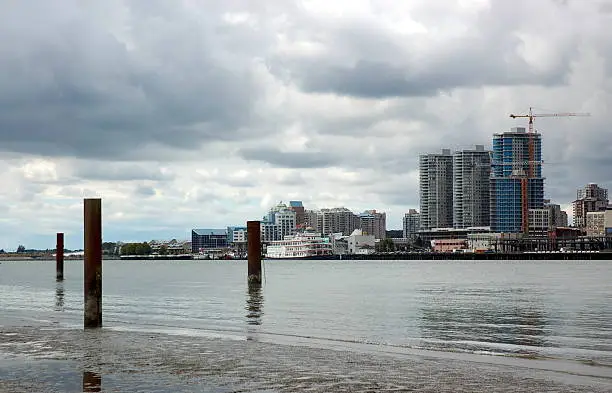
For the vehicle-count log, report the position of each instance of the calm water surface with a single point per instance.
(533, 309)
(545, 308)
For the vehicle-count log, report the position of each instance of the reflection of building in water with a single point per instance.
(254, 304)
(487, 316)
(59, 296)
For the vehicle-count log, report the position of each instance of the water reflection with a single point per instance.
(92, 360)
(254, 304)
(482, 317)
(92, 382)
(59, 296)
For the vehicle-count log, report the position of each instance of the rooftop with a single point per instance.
(204, 232)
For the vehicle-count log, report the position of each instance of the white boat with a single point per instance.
(303, 245)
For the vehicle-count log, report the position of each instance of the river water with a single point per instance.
(314, 325)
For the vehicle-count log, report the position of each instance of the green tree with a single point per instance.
(136, 249)
(386, 245)
(163, 250)
(21, 248)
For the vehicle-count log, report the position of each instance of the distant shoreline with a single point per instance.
(607, 255)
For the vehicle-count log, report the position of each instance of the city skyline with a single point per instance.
(182, 116)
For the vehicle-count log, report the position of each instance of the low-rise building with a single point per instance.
(171, 247)
(479, 242)
(203, 239)
(595, 223)
(539, 222)
(360, 243)
(448, 245)
(236, 235)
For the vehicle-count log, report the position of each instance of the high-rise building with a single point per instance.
(509, 164)
(299, 210)
(412, 224)
(471, 172)
(278, 223)
(590, 198)
(311, 220)
(557, 217)
(436, 190)
(338, 220)
(374, 223)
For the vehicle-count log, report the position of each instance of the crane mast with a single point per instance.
(531, 160)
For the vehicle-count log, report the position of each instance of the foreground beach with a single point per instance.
(66, 360)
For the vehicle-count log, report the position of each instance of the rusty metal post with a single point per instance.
(93, 263)
(254, 251)
(59, 257)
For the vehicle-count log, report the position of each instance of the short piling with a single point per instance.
(59, 257)
(93, 263)
(92, 382)
(254, 251)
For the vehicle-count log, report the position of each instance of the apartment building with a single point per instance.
(590, 198)
(436, 190)
(411, 224)
(471, 172)
(374, 223)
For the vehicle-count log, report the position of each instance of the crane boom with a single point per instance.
(531, 159)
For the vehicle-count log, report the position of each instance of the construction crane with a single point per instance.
(531, 160)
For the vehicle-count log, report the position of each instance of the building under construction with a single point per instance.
(515, 169)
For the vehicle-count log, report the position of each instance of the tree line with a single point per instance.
(136, 249)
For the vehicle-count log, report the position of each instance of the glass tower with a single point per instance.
(510, 163)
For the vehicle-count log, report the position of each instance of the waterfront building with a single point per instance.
(298, 208)
(510, 164)
(280, 221)
(436, 190)
(270, 231)
(374, 223)
(595, 223)
(360, 242)
(311, 220)
(202, 239)
(338, 220)
(557, 217)
(471, 172)
(539, 221)
(171, 247)
(599, 223)
(590, 198)
(236, 235)
(412, 224)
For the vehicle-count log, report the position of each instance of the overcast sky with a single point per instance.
(184, 114)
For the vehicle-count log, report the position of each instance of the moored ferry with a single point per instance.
(306, 245)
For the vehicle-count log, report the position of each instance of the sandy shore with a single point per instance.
(52, 360)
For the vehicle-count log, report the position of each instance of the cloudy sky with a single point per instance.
(203, 113)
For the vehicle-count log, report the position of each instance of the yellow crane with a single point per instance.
(525, 180)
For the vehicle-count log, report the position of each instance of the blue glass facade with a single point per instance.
(510, 163)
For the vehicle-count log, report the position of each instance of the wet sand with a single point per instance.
(52, 360)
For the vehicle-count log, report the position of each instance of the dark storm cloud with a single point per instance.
(76, 83)
(282, 159)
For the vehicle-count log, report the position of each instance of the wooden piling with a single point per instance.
(254, 251)
(59, 257)
(92, 382)
(93, 263)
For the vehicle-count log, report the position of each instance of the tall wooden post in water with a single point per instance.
(93, 263)
(59, 257)
(254, 251)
